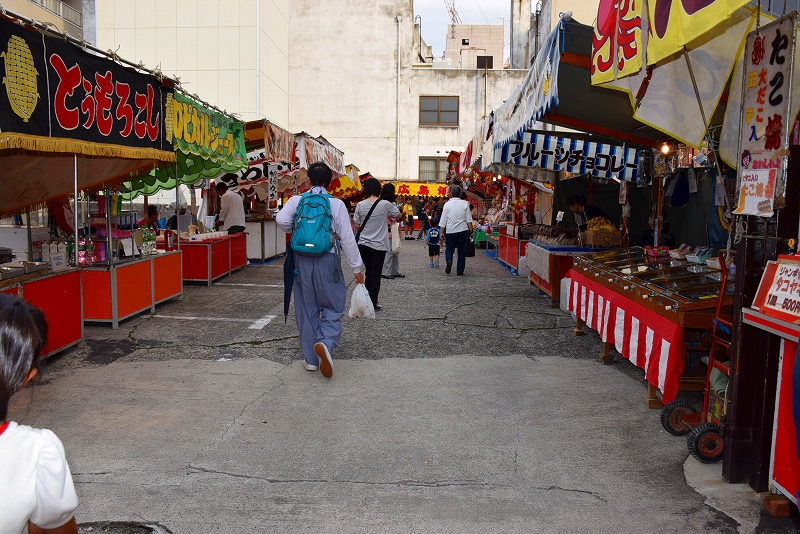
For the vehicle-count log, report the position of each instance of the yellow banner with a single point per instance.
(676, 23)
(418, 189)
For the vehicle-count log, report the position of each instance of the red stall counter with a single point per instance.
(58, 295)
(112, 294)
(207, 260)
(509, 245)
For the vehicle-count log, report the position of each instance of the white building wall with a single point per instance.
(233, 54)
(343, 85)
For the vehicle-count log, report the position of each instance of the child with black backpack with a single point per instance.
(432, 239)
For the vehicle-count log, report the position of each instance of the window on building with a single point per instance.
(485, 62)
(438, 110)
(433, 169)
(464, 42)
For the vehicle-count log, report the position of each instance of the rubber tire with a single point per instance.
(705, 443)
(670, 414)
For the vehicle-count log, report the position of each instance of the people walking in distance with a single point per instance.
(422, 216)
(432, 239)
(391, 262)
(408, 213)
(456, 225)
(372, 215)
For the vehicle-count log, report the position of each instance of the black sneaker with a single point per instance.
(449, 267)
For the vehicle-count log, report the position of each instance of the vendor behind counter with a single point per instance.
(584, 212)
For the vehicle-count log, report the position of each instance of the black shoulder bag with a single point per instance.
(358, 234)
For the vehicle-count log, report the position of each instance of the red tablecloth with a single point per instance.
(647, 339)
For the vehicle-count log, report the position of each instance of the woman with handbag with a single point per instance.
(372, 215)
(391, 263)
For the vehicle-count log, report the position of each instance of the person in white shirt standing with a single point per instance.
(231, 212)
(456, 226)
(320, 289)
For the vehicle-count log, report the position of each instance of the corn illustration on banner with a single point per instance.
(56, 97)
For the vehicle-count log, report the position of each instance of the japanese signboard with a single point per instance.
(53, 89)
(764, 133)
(197, 130)
(778, 293)
(571, 155)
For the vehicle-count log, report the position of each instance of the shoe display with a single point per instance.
(310, 367)
(325, 360)
(448, 267)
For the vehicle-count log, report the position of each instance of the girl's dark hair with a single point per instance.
(23, 332)
(576, 199)
(387, 193)
(372, 187)
(152, 210)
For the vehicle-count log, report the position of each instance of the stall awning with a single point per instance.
(60, 103)
(207, 143)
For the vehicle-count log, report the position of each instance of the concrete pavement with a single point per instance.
(466, 406)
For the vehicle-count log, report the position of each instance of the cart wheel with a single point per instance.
(705, 443)
(672, 417)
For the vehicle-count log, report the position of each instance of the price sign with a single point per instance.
(778, 293)
(58, 261)
(560, 216)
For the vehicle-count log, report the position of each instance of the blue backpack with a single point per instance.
(313, 233)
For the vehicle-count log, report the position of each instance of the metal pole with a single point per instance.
(75, 207)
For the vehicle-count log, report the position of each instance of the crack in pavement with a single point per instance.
(401, 483)
(568, 490)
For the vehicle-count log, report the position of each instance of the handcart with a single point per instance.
(704, 429)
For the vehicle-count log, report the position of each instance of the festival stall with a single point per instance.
(206, 142)
(70, 121)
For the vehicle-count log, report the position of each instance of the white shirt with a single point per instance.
(455, 216)
(341, 225)
(231, 211)
(35, 481)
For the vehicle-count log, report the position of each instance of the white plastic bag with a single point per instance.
(396, 244)
(361, 304)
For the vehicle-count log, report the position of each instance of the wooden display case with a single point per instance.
(672, 296)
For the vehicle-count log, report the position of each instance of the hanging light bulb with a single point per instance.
(665, 148)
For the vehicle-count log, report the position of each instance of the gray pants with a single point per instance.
(391, 264)
(319, 303)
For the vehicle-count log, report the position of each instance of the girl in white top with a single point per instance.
(36, 490)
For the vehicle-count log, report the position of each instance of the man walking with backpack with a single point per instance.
(320, 289)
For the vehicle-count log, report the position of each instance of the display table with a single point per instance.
(648, 340)
(509, 246)
(205, 261)
(549, 265)
(264, 240)
(115, 293)
(58, 295)
(784, 472)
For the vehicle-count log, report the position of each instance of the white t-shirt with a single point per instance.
(35, 480)
(455, 216)
(231, 211)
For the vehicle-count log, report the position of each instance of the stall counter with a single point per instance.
(58, 295)
(207, 260)
(509, 246)
(114, 293)
(264, 240)
(549, 264)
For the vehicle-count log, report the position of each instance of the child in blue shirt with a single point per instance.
(432, 238)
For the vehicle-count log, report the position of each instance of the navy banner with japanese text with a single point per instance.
(58, 97)
(572, 155)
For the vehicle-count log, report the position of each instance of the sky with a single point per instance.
(436, 18)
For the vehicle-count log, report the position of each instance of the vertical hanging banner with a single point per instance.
(765, 124)
(278, 143)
